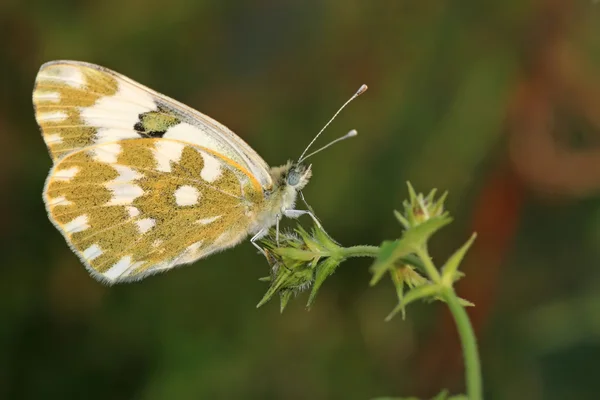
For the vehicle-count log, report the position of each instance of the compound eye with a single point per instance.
(293, 178)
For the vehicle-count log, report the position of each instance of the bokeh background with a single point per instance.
(496, 102)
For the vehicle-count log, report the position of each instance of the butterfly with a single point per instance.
(141, 183)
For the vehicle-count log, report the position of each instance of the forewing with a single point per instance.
(133, 208)
(79, 105)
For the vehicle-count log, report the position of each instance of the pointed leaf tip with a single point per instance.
(450, 269)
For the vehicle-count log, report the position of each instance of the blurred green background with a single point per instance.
(497, 102)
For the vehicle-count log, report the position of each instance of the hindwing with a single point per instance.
(140, 206)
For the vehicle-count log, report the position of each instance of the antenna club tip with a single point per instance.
(352, 133)
(362, 89)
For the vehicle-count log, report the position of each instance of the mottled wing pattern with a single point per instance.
(136, 207)
(79, 105)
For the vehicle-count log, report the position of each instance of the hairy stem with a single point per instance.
(360, 251)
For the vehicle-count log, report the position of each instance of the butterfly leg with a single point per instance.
(259, 235)
(296, 213)
(278, 218)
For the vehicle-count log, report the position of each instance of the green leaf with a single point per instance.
(324, 270)
(287, 277)
(465, 303)
(412, 238)
(295, 254)
(413, 260)
(399, 284)
(421, 292)
(412, 195)
(420, 234)
(450, 269)
(325, 240)
(438, 206)
(430, 196)
(312, 245)
(385, 259)
(284, 298)
(402, 220)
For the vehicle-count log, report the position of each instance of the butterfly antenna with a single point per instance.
(350, 134)
(360, 91)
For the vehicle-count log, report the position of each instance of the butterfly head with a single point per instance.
(298, 175)
(292, 175)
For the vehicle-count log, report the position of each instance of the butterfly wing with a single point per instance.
(135, 207)
(78, 105)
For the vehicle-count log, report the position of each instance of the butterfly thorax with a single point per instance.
(288, 179)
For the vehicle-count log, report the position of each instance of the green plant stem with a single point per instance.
(431, 270)
(359, 251)
(469, 344)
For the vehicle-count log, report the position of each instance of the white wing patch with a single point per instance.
(192, 134)
(53, 139)
(54, 116)
(69, 74)
(126, 174)
(166, 152)
(133, 211)
(206, 221)
(212, 168)
(144, 225)
(66, 174)
(186, 196)
(53, 97)
(107, 153)
(121, 268)
(123, 193)
(77, 225)
(92, 252)
(116, 115)
(61, 200)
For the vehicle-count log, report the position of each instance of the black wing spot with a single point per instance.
(154, 124)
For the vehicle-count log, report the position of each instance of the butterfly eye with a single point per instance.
(293, 177)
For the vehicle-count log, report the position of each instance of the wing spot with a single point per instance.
(211, 171)
(119, 268)
(53, 97)
(65, 174)
(77, 225)
(133, 211)
(59, 201)
(68, 74)
(53, 116)
(144, 225)
(107, 153)
(186, 196)
(92, 252)
(206, 221)
(53, 139)
(123, 193)
(126, 174)
(165, 152)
